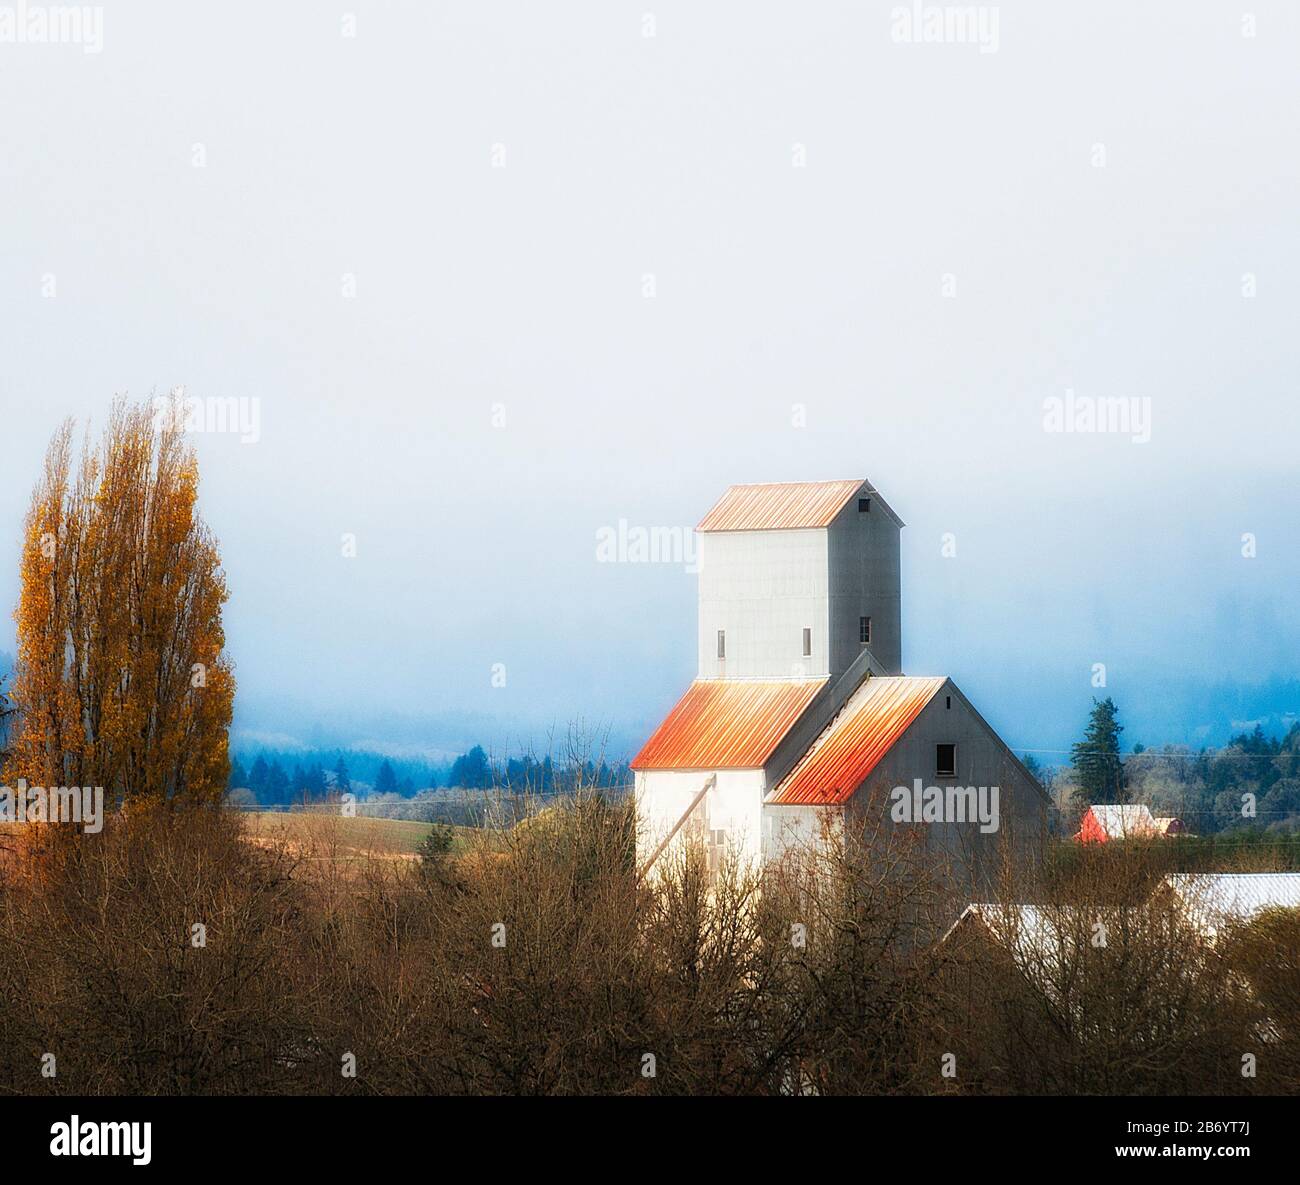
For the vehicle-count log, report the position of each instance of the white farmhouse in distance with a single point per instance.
(800, 709)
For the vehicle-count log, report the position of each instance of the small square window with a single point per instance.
(807, 643)
(722, 643)
(945, 761)
(864, 630)
(864, 505)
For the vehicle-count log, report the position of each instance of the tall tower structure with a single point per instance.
(797, 579)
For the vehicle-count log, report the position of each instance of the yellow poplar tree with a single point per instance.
(121, 680)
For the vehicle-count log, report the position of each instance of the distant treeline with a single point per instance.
(1251, 783)
(281, 779)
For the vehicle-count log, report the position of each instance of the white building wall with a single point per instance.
(756, 833)
(764, 588)
(798, 829)
(734, 805)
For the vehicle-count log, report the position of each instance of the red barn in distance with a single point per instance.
(1103, 822)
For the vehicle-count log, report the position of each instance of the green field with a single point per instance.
(394, 838)
(391, 838)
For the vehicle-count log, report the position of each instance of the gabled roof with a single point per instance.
(779, 506)
(727, 723)
(1040, 932)
(872, 720)
(1218, 897)
(1119, 820)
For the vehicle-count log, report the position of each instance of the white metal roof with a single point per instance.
(1215, 898)
(1034, 933)
(1119, 820)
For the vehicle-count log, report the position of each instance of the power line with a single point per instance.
(1226, 751)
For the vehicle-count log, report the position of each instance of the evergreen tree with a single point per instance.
(385, 779)
(1096, 758)
(258, 775)
(342, 783)
(238, 777)
(313, 781)
(278, 790)
(470, 771)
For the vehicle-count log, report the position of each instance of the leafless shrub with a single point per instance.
(537, 962)
(151, 959)
(1102, 986)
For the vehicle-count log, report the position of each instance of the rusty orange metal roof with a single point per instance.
(866, 728)
(777, 506)
(727, 723)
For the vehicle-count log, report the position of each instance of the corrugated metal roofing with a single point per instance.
(1038, 934)
(1235, 896)
(779, 506)
(1121, 820)
(727, 723)
(867, 727)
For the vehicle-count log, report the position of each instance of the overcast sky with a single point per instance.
(499, 275)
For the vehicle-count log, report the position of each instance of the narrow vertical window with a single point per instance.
(807, 643)
(945, 761)
(864, 630)
(722, 643)
(717, 849)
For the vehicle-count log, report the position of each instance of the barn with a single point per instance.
(800, 713)
(1103, 822)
